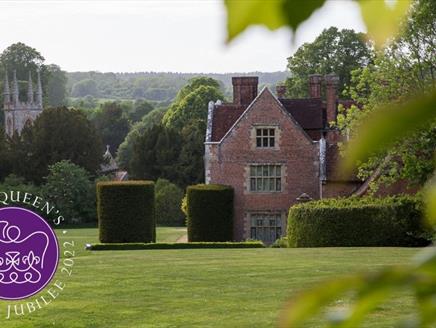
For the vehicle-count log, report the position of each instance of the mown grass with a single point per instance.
(203, 287)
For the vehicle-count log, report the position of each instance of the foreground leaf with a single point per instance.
(297, 11)
(241, 14)
(430, 200)
(273, 14)
(382, 18)
(387, 125)
(372, 289)
(311, 302)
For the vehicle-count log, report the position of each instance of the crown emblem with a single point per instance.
(21, 257)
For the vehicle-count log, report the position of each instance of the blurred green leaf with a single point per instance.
(376, 289)
(372, 289)
(297, 11)
(425, 261)
(382, 18)
(241, 14)
(387, 125)
(430, 200)
(311, 302)
(273, 14)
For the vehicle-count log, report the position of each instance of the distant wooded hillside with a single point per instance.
(156, 87)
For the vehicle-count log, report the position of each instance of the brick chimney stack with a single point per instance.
(331, 81)
(244, 89)
(315, 85)
(281, 91)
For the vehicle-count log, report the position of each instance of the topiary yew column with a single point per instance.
(125, 212)
(210, 213)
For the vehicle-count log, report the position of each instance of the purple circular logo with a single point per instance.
(29, 253)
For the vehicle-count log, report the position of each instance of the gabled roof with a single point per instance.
(307, 113)
(224, 116)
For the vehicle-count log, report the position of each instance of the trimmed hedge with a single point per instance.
(210, 213)
(392, 221)
(136, 246)
(125, 211)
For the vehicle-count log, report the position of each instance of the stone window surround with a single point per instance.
(253, 136)
(247, 175)
(247, 220)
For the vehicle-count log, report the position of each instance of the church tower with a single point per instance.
(17, 113)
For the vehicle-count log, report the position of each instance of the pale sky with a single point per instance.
(165, 35)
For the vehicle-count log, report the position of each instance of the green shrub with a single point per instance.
(18, 184)
(69, 187)
(281, 243)
(210, 213)
(392, 221)
(168, 201)
(200, 245)
(126, 212)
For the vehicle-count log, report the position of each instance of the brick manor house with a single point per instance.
(275, 152)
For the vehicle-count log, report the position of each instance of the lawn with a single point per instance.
(202, 288)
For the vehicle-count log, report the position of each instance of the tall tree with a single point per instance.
(174, 149)
(139, 110)
(333, 51)
(112, 124)
(125, 150)
(193, 107)
(191, 162)
(83, 88)
(57, 86)
(406, 67)
(155, 154)
(57, 134)
(23, 59)
(195, 83)
(4, 161)
(69, 187)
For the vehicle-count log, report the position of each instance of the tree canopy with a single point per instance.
(57, 134)
(24, 59)
(333, 51)
(174, 148)
(125, 150)
(404, 68)
(112, 124)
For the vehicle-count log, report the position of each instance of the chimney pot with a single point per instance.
(244, 89)
(281, 91)
(315, 85)
(332, 81)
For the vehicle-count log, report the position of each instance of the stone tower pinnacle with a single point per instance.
(15, 91)
(39, 91)
(30, 89)
(6, 91)
(17, 114)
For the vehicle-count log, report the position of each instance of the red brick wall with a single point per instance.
(298, 155)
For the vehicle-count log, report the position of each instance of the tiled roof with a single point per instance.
(307, 112)
(333, 158)
(224, 116)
